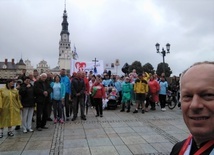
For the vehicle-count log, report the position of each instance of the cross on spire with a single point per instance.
(95, 61)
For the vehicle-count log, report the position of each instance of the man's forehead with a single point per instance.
(202, 71)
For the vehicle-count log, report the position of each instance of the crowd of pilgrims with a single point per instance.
(59, 97)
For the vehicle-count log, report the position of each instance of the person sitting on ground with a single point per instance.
(197, 104)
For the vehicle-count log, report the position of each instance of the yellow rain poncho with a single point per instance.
(10, 106)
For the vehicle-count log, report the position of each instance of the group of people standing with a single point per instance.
(64, 94)
(196, 88)
(39, 94)
(145, 90)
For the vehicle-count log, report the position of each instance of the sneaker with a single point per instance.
(10, 134)
(55, 121)
(143, 111)
(146, 110)
(128, 110)
(30, 130)
(122, 110)
(24, 131)
(163, 109)
(136, 111)
(101, 115)
(61, 121)
(96, 115)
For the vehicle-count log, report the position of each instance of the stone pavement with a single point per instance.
(117, 133)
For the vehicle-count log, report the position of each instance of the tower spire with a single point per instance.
(64, 22)
(65, 53)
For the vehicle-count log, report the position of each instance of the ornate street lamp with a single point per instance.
(163, 53)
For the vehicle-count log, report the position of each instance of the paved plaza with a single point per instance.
(117, 133)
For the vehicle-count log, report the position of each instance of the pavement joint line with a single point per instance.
(27, 143)
(167, 136)
(119, 121)
(57, 142)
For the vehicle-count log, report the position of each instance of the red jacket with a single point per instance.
(87, 87)
(154, 87)
(99, 90)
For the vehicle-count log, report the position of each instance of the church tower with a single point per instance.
(65, 52)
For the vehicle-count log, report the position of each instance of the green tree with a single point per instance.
(137, 66)
(148, 68)
(159, 70)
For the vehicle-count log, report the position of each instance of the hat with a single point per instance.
(19, 81)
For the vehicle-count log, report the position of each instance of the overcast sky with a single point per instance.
(109, 29)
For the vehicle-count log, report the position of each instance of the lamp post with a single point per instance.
(163, 53)
(117, 63)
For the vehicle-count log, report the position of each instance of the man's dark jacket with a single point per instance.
(77, 86)
(39, 88)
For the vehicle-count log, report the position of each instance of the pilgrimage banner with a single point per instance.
(87, 66)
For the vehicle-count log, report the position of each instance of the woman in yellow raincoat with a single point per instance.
(10, 107)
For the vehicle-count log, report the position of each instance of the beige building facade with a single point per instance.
(10, 69)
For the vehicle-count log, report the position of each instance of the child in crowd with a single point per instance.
(113, 94)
